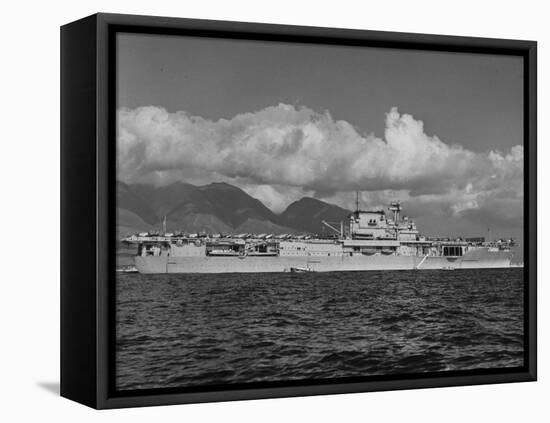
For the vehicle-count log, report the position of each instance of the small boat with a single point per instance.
(301, 270)
(127, 269)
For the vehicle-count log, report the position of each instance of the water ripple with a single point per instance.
(196, 330)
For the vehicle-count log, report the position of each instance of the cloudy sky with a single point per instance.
(440, 131)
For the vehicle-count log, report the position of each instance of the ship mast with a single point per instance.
(395, 207)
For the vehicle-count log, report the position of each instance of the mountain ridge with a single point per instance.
(214, 208)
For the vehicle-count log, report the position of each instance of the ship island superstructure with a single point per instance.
(371, 240)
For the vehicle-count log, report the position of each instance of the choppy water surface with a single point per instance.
(195, 330)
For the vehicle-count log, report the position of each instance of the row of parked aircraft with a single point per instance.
(221, 235)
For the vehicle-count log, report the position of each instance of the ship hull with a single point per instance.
(478, 259)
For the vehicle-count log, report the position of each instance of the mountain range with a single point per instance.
(214, 208)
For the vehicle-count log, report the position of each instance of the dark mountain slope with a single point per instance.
(129, 200)
(308, 213)
(164, 199)
(234, 206)
(217, 207)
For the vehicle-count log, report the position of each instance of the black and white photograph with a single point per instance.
(301, 212)
(251, 212)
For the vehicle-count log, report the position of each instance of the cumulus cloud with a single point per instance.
(288, 146)
(283, 152)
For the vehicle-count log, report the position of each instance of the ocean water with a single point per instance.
(197, 330)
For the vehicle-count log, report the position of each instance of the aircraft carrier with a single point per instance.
(370, 240)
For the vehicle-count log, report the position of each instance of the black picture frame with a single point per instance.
(88, 103)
